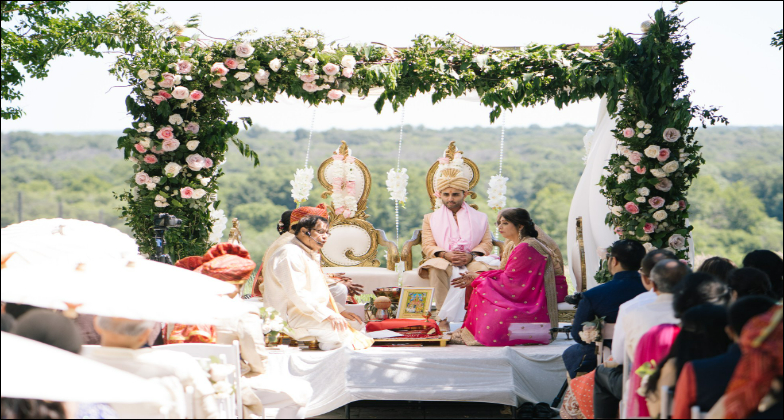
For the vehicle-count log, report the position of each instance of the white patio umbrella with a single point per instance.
(133, 289)
(34, 370)
(39, 241)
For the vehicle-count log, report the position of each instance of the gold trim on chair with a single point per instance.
(377, 237)
(431, 174)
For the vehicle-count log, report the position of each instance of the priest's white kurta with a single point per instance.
(298, 290)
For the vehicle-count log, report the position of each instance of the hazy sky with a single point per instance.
(733, 64)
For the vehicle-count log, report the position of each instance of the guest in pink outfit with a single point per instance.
(516, 305)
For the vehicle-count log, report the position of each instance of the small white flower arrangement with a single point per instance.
(219, 221)
(496, 193)
(302, 184)
(397, 183)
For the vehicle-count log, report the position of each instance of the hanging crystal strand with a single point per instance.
(501, 154)
(397, 203)
(310, 136)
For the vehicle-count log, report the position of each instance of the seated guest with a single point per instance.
(298, 290)
(517, 304)
(693, 290)
(702, 382)
(604, 301)
(748, 281)
(702, 336)
(121, 340)
(7, 322)
(755, 390)
(771, 264)
(50, 328)
(719, 267)
(340, 286)
(452, 236)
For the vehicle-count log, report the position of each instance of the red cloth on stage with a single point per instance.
(396, 324)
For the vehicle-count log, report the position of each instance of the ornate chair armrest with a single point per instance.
(405, 254)
(393, 256)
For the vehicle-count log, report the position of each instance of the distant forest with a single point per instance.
(736, 200)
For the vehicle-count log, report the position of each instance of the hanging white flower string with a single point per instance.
(397, 181)
(303, 177)
(496, 193)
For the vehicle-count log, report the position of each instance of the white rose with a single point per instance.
(643, 191)
(275, 65)
(670, 167)
(204, 181)
(640, 124)
(617, 210)
(348, 61)
(640, 199)
(262, 76)
(623, 150)
(160, 198)
(150, 84)
(652, 151)
(249, 86)
(175, 119)
(148, 92)
(143, 74)
(659, 215)
(244, 49)
(658, 173)
(311, 61)
(646, 132)
(155, 179)
(241, 64)
(310, 43)
(641, 135)
(180, 92)
(145, 142)
(177, 79)
(161, 204)
(648, 247)
(242, 75)
(192, 145)
(677, 241)
(647, 126)
(172, 169)
(150, 186)
(199, 193)
(673, 207)
(149, 128)
(624, 177)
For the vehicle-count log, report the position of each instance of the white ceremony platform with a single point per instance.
(500, 375)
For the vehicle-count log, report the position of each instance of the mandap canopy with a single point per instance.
(182, 84)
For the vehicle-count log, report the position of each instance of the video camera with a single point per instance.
(160, 223)
(574, 299)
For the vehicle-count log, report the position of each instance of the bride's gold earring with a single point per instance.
(520, 234)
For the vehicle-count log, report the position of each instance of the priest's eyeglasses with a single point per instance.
(322, 232)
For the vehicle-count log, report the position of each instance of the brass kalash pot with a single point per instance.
(386, 302)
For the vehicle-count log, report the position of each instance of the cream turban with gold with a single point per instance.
(452, 178)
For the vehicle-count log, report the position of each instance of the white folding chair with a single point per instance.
(626, 392)
(696, 413)
(228, 354)
(603, 353)
(666, 396)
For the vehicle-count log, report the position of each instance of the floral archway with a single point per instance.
(182, 84)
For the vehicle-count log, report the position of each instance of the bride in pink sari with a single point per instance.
(516, 305)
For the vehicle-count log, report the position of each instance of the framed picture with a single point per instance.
(415, 302)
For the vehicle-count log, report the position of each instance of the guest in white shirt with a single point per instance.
(666, 274)
(650, 260)
(121, 340)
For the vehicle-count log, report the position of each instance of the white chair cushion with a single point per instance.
(563, 306)
(343, 238)
(411, 279)
(370, 277)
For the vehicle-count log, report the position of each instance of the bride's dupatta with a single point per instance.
(513, 306)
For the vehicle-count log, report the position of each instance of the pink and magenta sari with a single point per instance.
(510, 306)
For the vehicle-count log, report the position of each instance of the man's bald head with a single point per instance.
(666, 274)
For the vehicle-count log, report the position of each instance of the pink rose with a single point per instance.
(186, 192)
(155, 150)
(310, 87)
(635, 157)
(664, 184)
(184, 66)
(158, 99)
(244, 49)
(170, 145)
(309, 77)
(671, 135)
(139, 148)
(150, 159)
(337, 157)
(656, 202)
(682, 204)
(331, 69)
(180, 92)
(195, 162)
(219, 83)
(338, 180)
(350, 159)
(142, 178)
(192, 127)
(618, 231)
(168, 80)
(347, 213)
(334, 94)
(631, 208)
(231, 63)
(348, 72)
(339, 210)
(443, 161)
(649, 228)
(351, 187)
(628, 132)
(165, 133)
(207, 163)
(196, 95)
(639, 169)
(164, 94)
(219, 69)
(664, 154)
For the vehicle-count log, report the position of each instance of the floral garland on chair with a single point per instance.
(344, 199)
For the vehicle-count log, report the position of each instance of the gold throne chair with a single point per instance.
(353, 244)
(470, 171)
